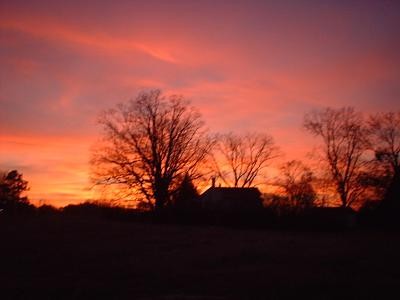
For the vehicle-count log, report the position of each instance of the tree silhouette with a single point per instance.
(344, 141)
(149, 144)
(186, 195)
(12, 185)
(385, 131)
(296, 183)
(239, 159)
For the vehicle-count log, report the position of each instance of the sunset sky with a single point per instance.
(246, 65)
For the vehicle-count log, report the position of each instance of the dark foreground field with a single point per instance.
(70, 258)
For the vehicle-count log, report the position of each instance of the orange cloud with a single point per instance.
(55, 167)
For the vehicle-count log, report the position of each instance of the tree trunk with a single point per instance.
(343, 199)
(160, 194)
(342, 194)
(391, 200)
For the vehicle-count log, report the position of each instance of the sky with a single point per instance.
(245, 65)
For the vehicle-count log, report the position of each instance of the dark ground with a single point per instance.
(70, 258)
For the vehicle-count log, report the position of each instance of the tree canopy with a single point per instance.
(12, 186)
(150, 143)
(344, 142)
(240, 159)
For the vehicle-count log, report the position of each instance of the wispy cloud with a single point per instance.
(97, 40)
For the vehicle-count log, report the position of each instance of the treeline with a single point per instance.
(187, 210)
(153, 143)
(156, 152)
(313, 219)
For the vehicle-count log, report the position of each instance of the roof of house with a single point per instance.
(227, 198)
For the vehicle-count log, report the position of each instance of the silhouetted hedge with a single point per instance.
(312, 219)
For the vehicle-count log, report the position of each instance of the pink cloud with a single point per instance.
(257, 66)
(61, 33)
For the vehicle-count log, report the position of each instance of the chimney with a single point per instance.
(213, 182)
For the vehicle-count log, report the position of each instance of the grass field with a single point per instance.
(73, 258)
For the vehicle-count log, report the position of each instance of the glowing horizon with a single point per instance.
(246, 66)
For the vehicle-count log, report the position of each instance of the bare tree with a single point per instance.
(149, 144)
(239, 159)
(296, 182)
(385, 130)
(344, 142)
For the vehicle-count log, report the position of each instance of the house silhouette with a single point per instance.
(231, 200)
